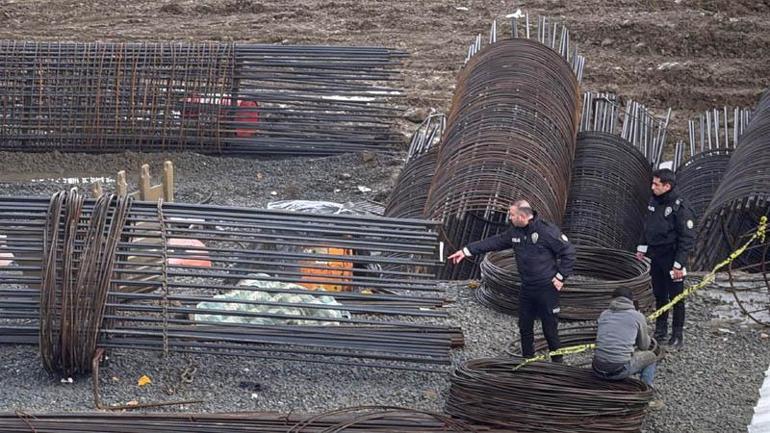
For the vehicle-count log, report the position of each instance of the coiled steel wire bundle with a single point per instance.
(411, 190)
(214, 98)
(752, 279)
(214, 279)
(574, 336)
(545, 397)
(743, 195)
(611, 173)
(598, 272)
(510, 135)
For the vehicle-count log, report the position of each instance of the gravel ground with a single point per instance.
(710, 386)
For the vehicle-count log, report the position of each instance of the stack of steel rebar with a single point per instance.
(411, 190)
(611, 172)
(214, 98)
(743, 195)
(598, 272)
(545, 397)
(375, 419)
(510, 135)
(202, 278)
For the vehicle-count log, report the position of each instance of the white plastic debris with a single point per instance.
(517, 14)
(364, 188)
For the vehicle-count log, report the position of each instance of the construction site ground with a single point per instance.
(687, 55)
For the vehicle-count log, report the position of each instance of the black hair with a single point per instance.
(666, 176)
(624, 292)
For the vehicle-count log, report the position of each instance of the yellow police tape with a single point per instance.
(705, 281)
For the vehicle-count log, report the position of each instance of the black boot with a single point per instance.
(661, 328)
(677, 339)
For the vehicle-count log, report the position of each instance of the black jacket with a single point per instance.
(670, 224)
(542, 252)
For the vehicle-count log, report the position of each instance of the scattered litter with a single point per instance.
(67, 380)
(517, 14)
(273, 192)
(144, 380)
(364, 188)
(461, 8)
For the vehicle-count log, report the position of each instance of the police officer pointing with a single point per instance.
(544, 258)
(667, 239)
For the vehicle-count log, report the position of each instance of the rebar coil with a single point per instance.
(697, 179)
(608, 192)
(411, 191)
(757, 272)
(574, 336)
(598, 272)
(545, 397)
(743, 195)
(510, 135)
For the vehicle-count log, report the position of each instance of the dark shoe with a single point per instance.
(677, 341)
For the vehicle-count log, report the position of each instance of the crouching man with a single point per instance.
(622, 341)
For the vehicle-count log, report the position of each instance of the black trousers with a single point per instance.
(664, 289)
(538, 302)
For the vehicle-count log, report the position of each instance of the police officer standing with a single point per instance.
(667, 239)
(544, 258)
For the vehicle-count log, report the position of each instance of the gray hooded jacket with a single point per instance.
(621, 329)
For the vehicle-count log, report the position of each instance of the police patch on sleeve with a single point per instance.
(534, 237)
(690, 224)
(668, 211)
(564, 237)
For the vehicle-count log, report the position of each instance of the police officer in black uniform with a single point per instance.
(667, 239)
(544, 258)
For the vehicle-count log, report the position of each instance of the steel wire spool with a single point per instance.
(212, 98)
(743, 195)
(510, 135)
(608, 193)
(260, 283)
(598, 272)
(545, 397)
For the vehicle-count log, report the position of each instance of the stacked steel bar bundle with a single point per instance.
(213, 98)
(598, 272)
(411, 190)
(213, 279)
(699, 169)
(357, 419)
(545, 397)
(510, 135)
(611, 174)
(743, 195)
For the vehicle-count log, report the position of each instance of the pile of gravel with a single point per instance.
(711, 386)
